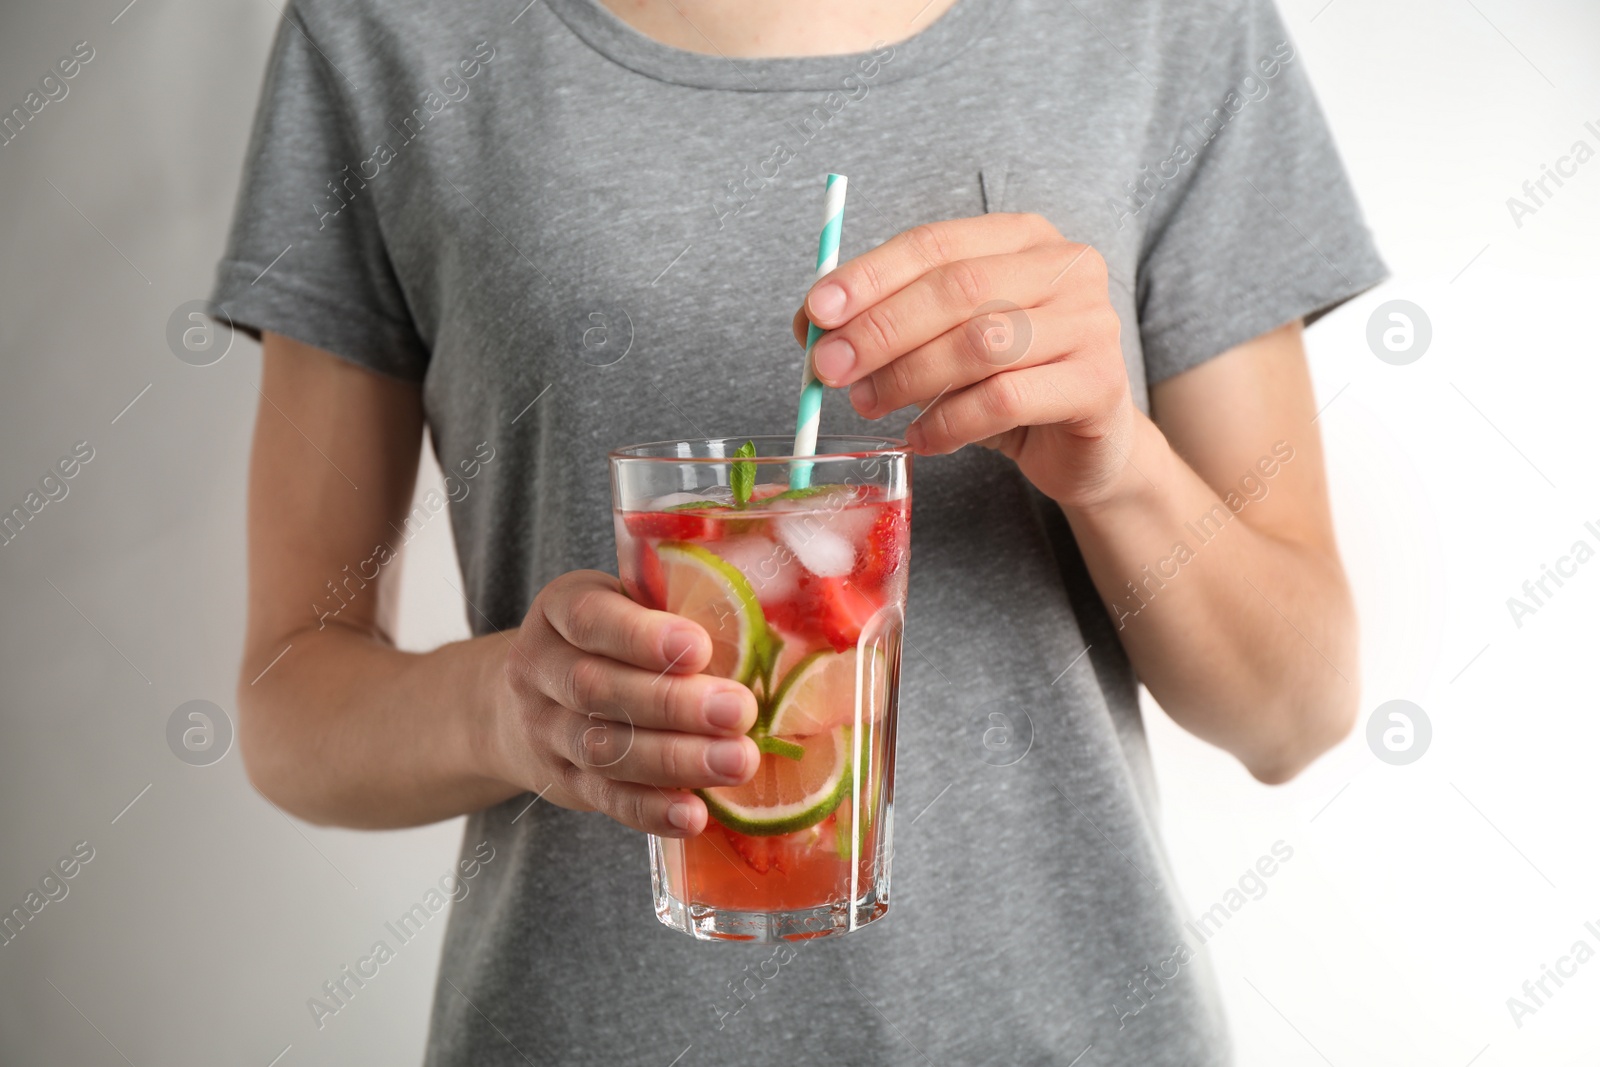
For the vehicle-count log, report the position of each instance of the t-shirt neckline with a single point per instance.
(931, 47)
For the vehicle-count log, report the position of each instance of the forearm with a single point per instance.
(1246, 640)
(345, 729)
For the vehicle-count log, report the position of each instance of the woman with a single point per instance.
(1084, 236)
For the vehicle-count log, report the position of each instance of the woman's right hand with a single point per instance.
(601, 706)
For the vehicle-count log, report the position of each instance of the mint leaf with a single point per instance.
(743, 475)
(769, 649)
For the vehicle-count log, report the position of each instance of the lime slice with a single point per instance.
(777, 746)
(787, 795)
(819, 693)
(702, 587)
(869, 810)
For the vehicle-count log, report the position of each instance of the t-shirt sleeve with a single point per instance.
(1258, 226)
(306, 255)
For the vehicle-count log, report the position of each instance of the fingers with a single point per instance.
(665, 812)
(868, 278)
(590, 612)
(693, 703)
(1035, 396)
(992, 341)
(932, 304)
(627, 753)
(605, 698)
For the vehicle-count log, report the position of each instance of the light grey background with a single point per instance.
(1420, 897)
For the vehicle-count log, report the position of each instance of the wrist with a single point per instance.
(1144, 458)
(484, 745)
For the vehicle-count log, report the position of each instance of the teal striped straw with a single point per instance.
(805, 427)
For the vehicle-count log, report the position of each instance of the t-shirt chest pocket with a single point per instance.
(1061, 193)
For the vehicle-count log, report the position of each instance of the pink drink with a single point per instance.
(803, 593)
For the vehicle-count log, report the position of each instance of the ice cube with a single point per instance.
(820, 549)
(851, 523)
(672, 500)
(662, 503)
(828, 498)
(766, 566)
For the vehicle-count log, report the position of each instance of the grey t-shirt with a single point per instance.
(574, 237)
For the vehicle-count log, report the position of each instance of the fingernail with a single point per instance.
(680, 816)
(679, 643)
(726, 758)
(826, 303)
(833, 358)
(864, 396)
(724, 710)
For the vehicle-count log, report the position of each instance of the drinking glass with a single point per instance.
(796, 568)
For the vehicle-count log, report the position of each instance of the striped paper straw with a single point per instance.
(805, 427)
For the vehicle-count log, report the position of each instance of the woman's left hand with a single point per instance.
(1001, 330)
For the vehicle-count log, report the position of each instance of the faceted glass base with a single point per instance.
(723, 924)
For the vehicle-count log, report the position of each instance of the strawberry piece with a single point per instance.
(800, 613)
(884, 552)
(674, 525)
(834, 609)
(761, 854)
(793, 614)
(649, 587)
(843, 611)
